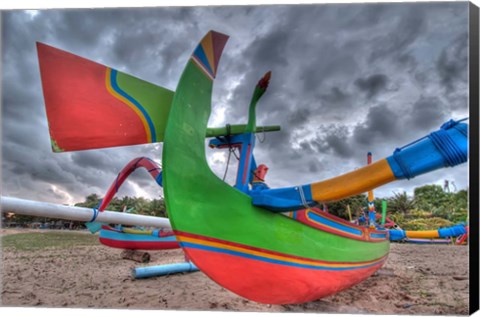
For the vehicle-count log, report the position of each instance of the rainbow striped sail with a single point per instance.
(92, 106)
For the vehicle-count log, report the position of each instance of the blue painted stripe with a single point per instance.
(378, 235)
(115, 87)
(200, 55)
(269, 260)
(159, 179)
(454, 231)
(134, 237)
(333, 224)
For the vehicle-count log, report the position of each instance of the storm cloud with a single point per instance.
(346, 79)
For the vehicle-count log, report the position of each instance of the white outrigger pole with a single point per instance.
(35, 208)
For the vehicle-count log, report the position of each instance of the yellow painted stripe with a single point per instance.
(136, 231)
(268, 255)
(428, 234)
(110, 89)
(207, 45)
(370, 196)
(353, 183)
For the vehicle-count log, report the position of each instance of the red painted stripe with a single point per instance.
(104, 227)
(248, 247)
(144, 162)
(137, 245)
(245, 167)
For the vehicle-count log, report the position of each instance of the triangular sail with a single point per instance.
(91, 106)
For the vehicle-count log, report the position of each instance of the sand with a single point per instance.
(416, 279)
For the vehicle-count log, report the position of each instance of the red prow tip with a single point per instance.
(263, 83)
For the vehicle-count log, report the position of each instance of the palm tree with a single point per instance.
(401, 203)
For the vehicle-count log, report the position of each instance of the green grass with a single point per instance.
(37, 241)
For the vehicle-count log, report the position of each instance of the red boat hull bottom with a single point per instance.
(272, 283)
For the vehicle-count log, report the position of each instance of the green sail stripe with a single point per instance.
(154, 99)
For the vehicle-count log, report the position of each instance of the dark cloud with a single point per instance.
(346, 79)
(335, 97)
(267, 49)
(299, 117)
(409, 25)
(335, 139)
(330, 62)
(452, 65)
(372, 85)
(381, 123)
(427, 113)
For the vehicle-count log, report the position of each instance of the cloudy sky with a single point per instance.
(346, 79)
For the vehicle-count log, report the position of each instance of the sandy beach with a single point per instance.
(416, 279)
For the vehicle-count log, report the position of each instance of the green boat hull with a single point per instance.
(260, 255)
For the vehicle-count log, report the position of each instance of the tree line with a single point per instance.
(135, 205)
(430, 207)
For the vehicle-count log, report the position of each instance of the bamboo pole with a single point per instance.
(35, 208)
(384, 211)
(349, 213)
(238, 129)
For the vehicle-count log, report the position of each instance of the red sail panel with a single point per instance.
(82, 113)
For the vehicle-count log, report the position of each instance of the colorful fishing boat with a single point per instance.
(266, 256)
(131, 238)
(273, 246)
(442, 233)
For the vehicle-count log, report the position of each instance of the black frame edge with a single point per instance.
(474, 158)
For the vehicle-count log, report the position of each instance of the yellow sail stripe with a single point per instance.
(127, 102)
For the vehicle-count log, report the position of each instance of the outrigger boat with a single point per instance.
(439, 236)
(137, 239)
(268, 245)
(131, 238)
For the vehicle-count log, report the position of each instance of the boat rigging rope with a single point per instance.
(302, 197)
(261, 140)
(254, 173)
(447, 147)
(95, 214)
(231, 150)
(228, 162)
